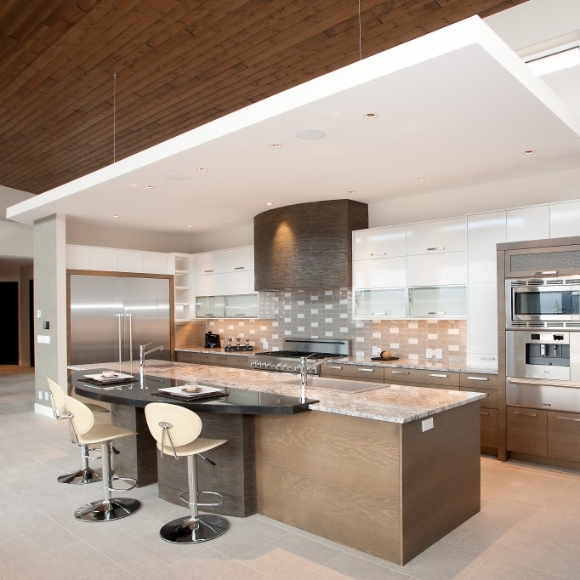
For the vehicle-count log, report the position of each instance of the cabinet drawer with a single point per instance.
(490, 401)
(527, 431)
(193, 357)
(239, 362)
(422, 377)
(359, 372)
(489, 423)
(435, 386)
(564, 435)
(478, 380)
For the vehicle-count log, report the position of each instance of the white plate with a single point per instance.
(203, 390)
(102, 379)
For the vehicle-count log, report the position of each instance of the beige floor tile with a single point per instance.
(528, 527)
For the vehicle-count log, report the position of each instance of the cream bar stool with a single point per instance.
(58, 401)
(176, 430)
(86, 432)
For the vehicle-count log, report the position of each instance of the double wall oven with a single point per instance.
(543, 343)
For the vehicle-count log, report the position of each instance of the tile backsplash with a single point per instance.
(328, 314)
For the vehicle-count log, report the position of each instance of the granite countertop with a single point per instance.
(391, 403)
(423, 364)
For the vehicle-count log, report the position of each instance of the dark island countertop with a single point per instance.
(143, 391)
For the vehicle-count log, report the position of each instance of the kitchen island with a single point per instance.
(388, 471)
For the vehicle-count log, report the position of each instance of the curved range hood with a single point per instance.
(307, 245)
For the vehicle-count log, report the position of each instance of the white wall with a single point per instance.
(234, 237)
(540, 189)
(84, 234)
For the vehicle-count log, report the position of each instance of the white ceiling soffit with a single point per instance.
(456, 107)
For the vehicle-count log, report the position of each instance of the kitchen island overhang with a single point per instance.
(389, 471)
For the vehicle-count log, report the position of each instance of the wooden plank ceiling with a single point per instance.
(178, 65)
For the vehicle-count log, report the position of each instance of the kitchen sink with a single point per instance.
(339, 385)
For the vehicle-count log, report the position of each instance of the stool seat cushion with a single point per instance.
(100, 433)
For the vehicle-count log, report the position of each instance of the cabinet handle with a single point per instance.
(486, 413)
(378, 313)
(435, 248)
(488, 358)
(383, 254)
(363, 370)
(547, 272)
(436, 313)
(400, 372)
(577, 420)
(478, 378)
(525, 414)
(238, 314)
(338, 368)
(208, 271)
(240, 268)
(438, 376)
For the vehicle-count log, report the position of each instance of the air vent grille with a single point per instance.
(545, 261)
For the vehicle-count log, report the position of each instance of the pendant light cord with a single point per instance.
(359, 31)
(114, 117)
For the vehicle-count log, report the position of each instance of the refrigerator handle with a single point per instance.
(130, 317)
(120, 339)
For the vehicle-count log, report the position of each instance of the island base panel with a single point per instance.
(333, 475)
(386, 489)
(234, 474)
(137, 455)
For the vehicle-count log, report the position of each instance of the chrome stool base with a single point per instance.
(194, 531)
(105, 511)
(81, 477)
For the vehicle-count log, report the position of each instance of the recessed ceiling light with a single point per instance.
(275, 145)
(268, 203)
(188, 226)
(350, 192)
(202, 168)
(115, 215)
(370, 115)
(419, 179)
(225, 219)
(149, 187)
(310, 134)
(178, 176)
(529, 152)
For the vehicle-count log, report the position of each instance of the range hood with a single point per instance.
(307, 245)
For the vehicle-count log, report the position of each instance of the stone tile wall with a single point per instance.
(328, 314)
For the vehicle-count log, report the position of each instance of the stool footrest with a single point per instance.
(127, 479)
(185, 497)
(81, 477)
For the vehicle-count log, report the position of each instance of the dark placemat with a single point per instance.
(384, 359)
(185, 398)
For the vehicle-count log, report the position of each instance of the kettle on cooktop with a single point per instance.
(211, 340)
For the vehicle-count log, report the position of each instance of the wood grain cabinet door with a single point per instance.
(527, 431)
(564, 435)
(489, 423)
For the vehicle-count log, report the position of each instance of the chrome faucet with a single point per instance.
(304, 368)
(143, 353)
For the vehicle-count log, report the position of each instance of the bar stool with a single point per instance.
(86, 432)
(176, 430)
(85, 474)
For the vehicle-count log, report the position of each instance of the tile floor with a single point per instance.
(528, 528)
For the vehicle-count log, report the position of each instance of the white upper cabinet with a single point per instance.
(565, 219)
(528, 223)
(388, 242)
(485, 230)
(130, 261)
(105, 259)
(78, 257)
(437, 237)
(208, 263)
(239, 259)
(383, 273)
(156, 263)
(437, 269)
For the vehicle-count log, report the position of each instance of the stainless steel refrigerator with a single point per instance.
(110, 316)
